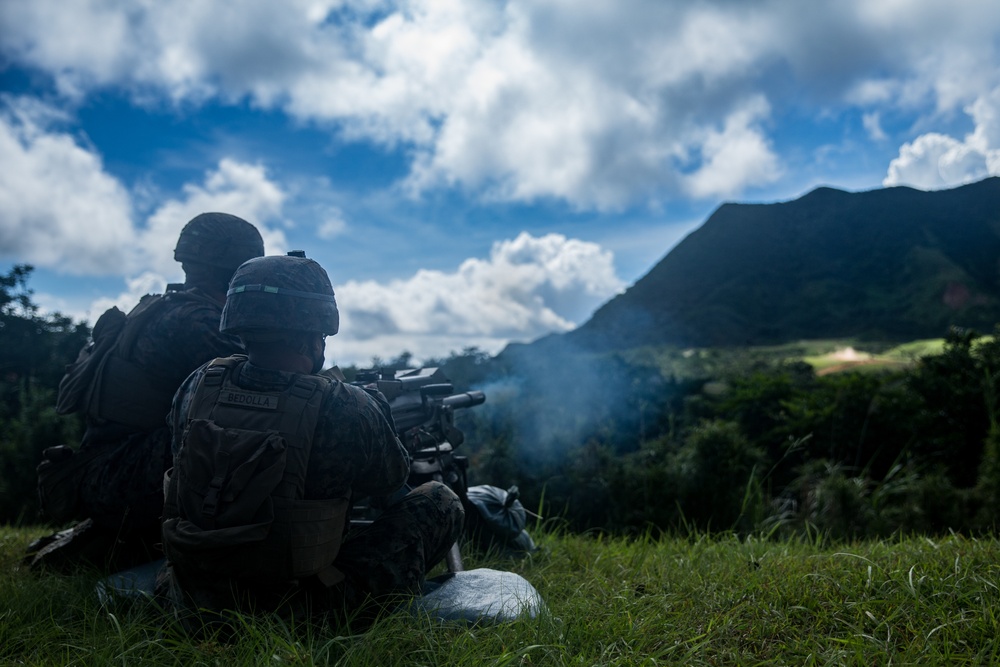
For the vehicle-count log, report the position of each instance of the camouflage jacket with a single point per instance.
(355, 450)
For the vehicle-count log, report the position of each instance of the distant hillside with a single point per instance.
(889, 264)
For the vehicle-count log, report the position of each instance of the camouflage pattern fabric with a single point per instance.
(355, 453)
(355, 448)
(390, 556)
(123, 487)
(280, 293)
(384, 564)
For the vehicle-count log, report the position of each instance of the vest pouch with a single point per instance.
(314, 530)
(223, 485)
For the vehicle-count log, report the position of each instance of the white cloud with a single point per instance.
(600, 104)
(526, 288)
(135, 288)
(332, 224)
(236, 188)
(239, 189)
(58, 207)
(736, 157)
(933, 160)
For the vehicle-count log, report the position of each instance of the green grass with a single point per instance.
(698, 600)
(916, 349)
(823, 355)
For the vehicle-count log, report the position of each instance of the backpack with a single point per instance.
(77, 387)
(105, 384)
(234, 503)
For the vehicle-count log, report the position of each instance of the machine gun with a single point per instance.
(423, 405)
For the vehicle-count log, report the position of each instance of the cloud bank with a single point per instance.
(57, 205)
(935, 161)
(60, 209)
(526, 288)
(598, 104)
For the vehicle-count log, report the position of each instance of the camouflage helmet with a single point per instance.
(220, 240)
(280, 293)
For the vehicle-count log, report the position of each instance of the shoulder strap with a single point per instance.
(206, 394)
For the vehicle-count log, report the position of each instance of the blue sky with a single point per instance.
(469, 172)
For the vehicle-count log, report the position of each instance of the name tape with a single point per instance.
(250, 399)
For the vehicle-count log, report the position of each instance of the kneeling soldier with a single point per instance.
(267, 457)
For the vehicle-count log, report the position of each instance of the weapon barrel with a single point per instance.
(464, 400)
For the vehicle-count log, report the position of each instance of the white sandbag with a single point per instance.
(479, 596)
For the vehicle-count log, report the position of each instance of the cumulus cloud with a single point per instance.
(241, 189)
(58, 207)
(60, 211)
(601, 104)
(136, 287)
(934, 161)
(526, 288)
(735, 157)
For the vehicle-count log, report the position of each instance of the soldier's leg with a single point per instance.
(123, 490)
(390, 556)
(121, 495)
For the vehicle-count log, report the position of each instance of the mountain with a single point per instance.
(888, 264)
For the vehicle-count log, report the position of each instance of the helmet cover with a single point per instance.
(220, 240)
(280, 293)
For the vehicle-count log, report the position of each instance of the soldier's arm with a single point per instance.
(386, 464)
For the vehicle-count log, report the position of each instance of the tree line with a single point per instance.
(748, 443)
(651, 440)
(34, 351)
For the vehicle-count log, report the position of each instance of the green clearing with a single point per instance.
(824, 356)
(696, 600)
(827, 356)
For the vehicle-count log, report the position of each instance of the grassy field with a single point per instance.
(698, 600)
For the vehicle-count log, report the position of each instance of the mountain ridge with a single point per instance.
(887, 264)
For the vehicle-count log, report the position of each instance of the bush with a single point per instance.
(24, 436)
(718, 467)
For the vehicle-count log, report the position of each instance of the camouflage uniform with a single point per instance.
(123, 486)
(355, 453)
(124, 381)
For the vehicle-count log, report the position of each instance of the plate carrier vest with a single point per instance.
(234, 499)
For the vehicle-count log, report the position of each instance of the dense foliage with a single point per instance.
(34, 351)
(655, 438)
(621, 445)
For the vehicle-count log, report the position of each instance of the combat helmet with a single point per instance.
(220, 240)
(280, 293)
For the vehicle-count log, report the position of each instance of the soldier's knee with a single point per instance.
(445, 502)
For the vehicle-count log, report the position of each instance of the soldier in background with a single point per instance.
(268, 456)
(124, 385)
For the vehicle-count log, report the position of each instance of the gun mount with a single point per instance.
(423, 404)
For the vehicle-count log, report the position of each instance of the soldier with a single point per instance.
(117, 474)
(267, 457)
